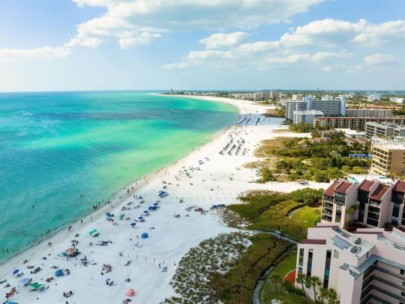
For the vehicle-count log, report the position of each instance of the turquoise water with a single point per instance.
(56, 146)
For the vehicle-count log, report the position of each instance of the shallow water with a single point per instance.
(61, 153)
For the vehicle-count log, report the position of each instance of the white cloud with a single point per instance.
(216, 41)
(37, 53)
(378, 59)
(138, 19)
(327, 56)
(374, 35)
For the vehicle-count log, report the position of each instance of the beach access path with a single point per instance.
(210, 175)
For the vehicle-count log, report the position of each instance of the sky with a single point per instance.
(64, 45)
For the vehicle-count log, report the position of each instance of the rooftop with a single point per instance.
(379, 192)
(399, 186)
(314, 242)
(366, 185)
(331, 189)
(343, 186)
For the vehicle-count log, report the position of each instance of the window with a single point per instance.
(402, 271)
(336, 254)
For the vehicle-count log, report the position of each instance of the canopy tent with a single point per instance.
(36, 285)
(131, 293)
(144, 235)
(24, 281)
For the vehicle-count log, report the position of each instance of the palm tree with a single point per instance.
(302, 279)
(349, 211)
(323, 294)
(332, 297)
(314, 282)
(276, 279)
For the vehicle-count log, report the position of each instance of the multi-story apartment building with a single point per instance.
(305, 116)
(388, 156)
(292, 106)
(365, 267)
(333, 107)
(378, 204)
(381, 113)
(355, 123)
(384, 130)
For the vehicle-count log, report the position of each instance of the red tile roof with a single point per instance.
(366, 185)
(314, 242)
(400, 187)
(342, 188)
(331, 190)
(379, 192)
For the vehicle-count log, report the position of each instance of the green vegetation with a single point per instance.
(238, 284)
(320, 158)
(269, 211)
(225, 268)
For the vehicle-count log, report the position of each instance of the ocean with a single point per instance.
(62, 153)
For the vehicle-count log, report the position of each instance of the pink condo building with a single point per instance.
(378, 204)
(366, 267)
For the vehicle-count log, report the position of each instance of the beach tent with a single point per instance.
(131, 293)
(36, 285)
(10, 302)
(144, 235)
(94, 233)
(59, 273)
(23, 281)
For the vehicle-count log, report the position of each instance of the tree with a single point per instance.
(332, 297)
(323, 294)
(276, 279)
(302, 279)
(350, 211)
(314, 282)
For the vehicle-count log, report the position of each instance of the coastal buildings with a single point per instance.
(381, 129)
(381, 113)
(388, 156)
(355, 123)
(377, 204)
(362, 267)
(314, 108)
(305, 116)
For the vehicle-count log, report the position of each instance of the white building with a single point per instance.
(306, 116)
(365, 267)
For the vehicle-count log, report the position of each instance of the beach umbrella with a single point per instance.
(23, 281)
(144, 235)
(131, 293)
(59, 273)
(10, 302)
(15, 271)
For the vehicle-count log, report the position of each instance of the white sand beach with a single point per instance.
(203, 178)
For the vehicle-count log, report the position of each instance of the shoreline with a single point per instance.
(219, 179)
(118, 197)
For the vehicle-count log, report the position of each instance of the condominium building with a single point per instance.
(388, 156)
(381, 129)
(381, 113)
(333, 107)
(306, 116)
(292, 106)
(365, 267)
(355, 123)
(378, 204)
